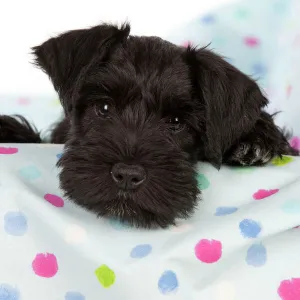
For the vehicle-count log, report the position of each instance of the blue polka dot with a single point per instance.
(118, 225)
(259, 69)
(168, 282)
(73, 296)
(256, 255)
(59, 155)
(141, 251)
(15, 223)
(225, 210)
(7, 292)
(30, 173)
(208, 19)
(250, 228)
(291, 206)
(229, 60)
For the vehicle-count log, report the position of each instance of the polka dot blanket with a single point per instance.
(243, 242)
(262, 39)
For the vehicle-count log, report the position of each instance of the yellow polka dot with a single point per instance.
(181, 228)
(45, 145)
(75, 234)
(277, 161)
(55, 102)
(225, 291)
(105, 276)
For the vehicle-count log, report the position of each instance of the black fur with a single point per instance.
(17, 129)
(144, 101)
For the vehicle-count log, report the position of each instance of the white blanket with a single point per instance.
(242, 243)
(262, 39)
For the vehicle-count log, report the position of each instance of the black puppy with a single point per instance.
(139, 113)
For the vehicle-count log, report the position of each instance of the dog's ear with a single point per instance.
(64, 57)
(231, 102)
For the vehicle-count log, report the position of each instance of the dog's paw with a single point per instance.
(250, 154)
(5, 129)
(16, 129)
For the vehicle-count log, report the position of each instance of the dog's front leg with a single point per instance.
(260, 145)
(16, 129)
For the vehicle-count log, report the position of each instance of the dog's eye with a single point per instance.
(103, 110)
(175, 124)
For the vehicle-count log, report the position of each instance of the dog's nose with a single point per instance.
(128, 177)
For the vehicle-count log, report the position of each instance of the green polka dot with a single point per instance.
(55, 102)
(106, 276)
(292, 23)
(243, 169)
(277, 161)
(202, 181)
(241, 13)
(291, 206)
(218, 41)
(280, 6)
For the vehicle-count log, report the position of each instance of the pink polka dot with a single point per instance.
(45, 265)
(208, 251)
(251, 41)
(261, 194)
(186, 44)
(289, 289)
(23, 101)
(8, 150)
(288, 90)
(269, 92)
(295, 143)
(54, 200)
(297, 41)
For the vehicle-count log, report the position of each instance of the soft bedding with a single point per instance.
(242, 243)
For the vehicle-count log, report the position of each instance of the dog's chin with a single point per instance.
(141, 209)
(163, 198)
(128, 208)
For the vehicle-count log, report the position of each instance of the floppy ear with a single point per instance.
(64, 57)
(231, 101)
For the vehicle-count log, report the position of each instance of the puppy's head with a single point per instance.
(142, 111)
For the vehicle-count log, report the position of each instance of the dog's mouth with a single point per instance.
(120, 211)
(126, 195)
(151, 191)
